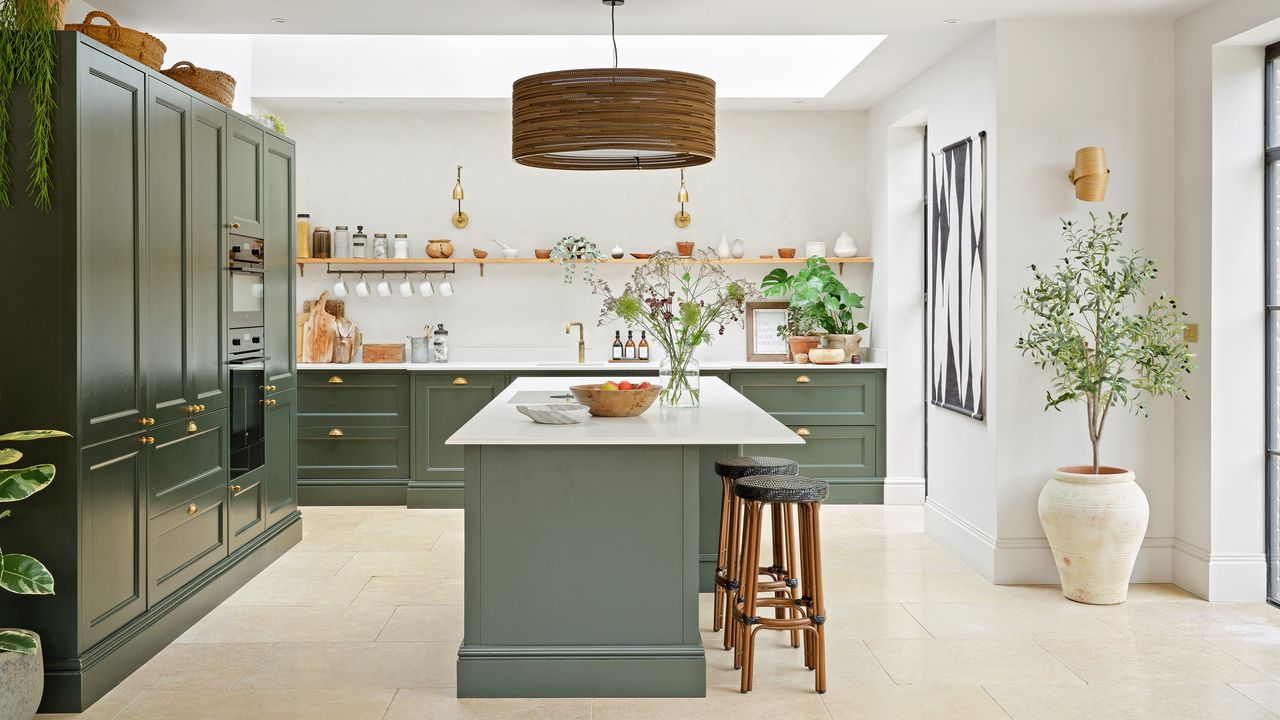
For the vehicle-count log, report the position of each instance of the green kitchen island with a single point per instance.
(581, 544)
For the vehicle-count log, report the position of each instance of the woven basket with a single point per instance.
(146, 49)
(213, 83)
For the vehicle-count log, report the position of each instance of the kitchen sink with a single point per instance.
(570, 365)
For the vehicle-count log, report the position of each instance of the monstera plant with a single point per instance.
(22, 574)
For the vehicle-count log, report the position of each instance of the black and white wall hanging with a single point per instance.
(956, 281)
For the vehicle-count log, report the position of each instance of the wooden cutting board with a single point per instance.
(336, 308)
(384, 353)
(321, 333)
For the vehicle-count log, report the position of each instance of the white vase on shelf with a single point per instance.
(722, 250)
(738, 249)
(844, 246)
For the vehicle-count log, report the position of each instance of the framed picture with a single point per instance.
(763, 343)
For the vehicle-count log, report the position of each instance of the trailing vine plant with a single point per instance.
(28, 57)
(572, 251)
(1102, 350)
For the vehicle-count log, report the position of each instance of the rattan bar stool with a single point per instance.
(806, 495)
(782, 571)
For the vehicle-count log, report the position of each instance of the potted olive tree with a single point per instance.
(1103, 352)
(816, 291)
(21, 666)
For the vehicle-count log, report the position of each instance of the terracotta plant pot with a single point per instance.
(802, 344)
(1095, 524)
(685, 248)
(786, 253)
(542, 254)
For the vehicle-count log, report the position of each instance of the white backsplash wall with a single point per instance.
(780, 179)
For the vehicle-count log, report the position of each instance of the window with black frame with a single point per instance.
(1272, 144)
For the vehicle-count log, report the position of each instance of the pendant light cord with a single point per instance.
(613, 32)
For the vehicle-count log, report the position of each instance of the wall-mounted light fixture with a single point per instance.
(1090, 174)
(460, 219)
(682, 218)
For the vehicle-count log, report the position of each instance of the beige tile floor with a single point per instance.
(353, 623)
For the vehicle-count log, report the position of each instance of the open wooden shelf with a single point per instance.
(400, 264)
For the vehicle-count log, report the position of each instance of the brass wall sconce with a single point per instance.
(682, 218)
(460, 219)
(1090, 174)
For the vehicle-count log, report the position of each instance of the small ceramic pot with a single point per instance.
(542, 254)
(802, 344)
(786, 253)
(440, 249)
(482, 254)
(826, 356)
(685, 248)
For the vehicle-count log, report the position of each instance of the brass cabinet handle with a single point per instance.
(147, 421)
(271, 403)
(191, 509)
(803, 432)
(234, 226)
(270, 388)
(459, 381)
(200, 408)
(235, 488)
(191, 427)
(147, 440)
(335, 380)
(336, 433)
(803, 379)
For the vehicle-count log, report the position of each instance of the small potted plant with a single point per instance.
(817, 291)
(1105, 353)
(800, 331)
(572, 251)
(21, 663)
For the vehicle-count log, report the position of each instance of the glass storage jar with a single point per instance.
(380, 246)
(360, 243)
(341, 242)
(400, 247)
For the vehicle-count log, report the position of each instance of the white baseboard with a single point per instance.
(1220, 577)
(904, 491)
(1028, 561)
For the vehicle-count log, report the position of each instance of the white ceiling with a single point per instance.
(917, 34)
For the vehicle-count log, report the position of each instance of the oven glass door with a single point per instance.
(248, 451)
(244, 298)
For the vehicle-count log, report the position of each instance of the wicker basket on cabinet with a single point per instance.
(146, 49)
(215, 84)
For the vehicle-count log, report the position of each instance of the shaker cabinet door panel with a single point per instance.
(281, 484)
(186, 459)
(112, 197)
(113, 526)
(244, 178)
(278, 307)
(247, 512)
(207, 340)
(442, 404)
(168, 270)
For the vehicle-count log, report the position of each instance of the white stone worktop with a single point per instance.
(725, 417)
(620, 369)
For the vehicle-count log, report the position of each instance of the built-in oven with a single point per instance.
(245, 284)
(248, 373)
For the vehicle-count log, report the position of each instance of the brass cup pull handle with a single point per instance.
(147, 440)
(235, 488)
(336, 380)
(191, 509)
(336, 433)
(803, 379)
(269, 388)
(803, 432)
(460, 381)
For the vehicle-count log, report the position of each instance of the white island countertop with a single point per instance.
(592, 366)
(725, 417)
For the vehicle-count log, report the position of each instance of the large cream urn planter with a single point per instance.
(21, 683)
(1095, 524)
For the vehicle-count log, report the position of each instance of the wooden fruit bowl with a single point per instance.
(615, 403)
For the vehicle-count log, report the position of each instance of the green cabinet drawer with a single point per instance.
(186, 540)
(353, 399)
(355, 453)
(186, 457)
(830, 452)
(817, 397)
(247, 511)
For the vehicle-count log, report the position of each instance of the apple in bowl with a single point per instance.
(617, 399)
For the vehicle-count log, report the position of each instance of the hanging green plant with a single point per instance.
(28, 57)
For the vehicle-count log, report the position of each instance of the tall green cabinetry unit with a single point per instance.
(117, 334)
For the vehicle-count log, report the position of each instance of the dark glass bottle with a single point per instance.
(629, 350)
(617, 345)
(642, 350)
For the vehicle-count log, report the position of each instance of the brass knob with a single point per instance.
(271, 403)
(235, 488)
(147, 440)
(191, 509)
(336, 433)
(191, 427)
(459, 381)
(147, 421)
(271, 388)
(200, 408)
(803, 432)
(335, 380)
(234, 226)
(803, 379)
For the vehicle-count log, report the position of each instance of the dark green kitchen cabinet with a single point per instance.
(355, 399)
(246, 149)
(353, 453)
(279, 229)
(280, 488)
(442, 403)
(816, 397)
(247, 508)
(121, 343)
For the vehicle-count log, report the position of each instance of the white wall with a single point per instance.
(232, 54)
(780, 179)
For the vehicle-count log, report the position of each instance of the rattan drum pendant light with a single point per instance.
(613, 118)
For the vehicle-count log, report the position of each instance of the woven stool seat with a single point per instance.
(781, 489)
(740, 467)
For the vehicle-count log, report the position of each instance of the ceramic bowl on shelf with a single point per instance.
(615, 403)
(482, 254)
(786, 253)
(766, 257)
(826, 356)
(642, 256)
(510, 252)
(542, 253)
(555, 414)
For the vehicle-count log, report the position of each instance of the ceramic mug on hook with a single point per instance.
(384, 287)
(446, 287)
(362, 287)
(424, 287)
(340, 289)
(406, 287)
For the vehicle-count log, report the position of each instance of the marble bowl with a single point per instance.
(826, 356)
(615, 403)
(555, 414)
